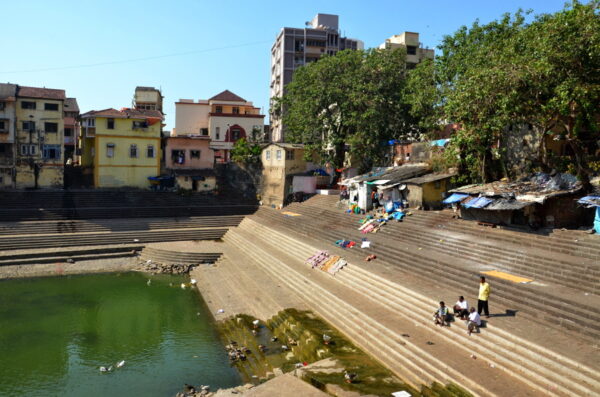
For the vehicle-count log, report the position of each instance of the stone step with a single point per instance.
(573, 316)
(416, 307)
(520, 263)
(400, 353)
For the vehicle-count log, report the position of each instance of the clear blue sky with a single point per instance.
(64, 35)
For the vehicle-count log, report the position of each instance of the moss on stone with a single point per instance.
(307, 331)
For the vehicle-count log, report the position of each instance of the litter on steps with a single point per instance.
(327, 263)
(345, 243)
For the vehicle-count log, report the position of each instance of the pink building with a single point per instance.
(188, 152)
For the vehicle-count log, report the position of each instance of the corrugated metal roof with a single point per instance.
(429, 178)
(507, 205)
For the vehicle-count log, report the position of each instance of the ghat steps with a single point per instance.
(363, 305)
(553, 303)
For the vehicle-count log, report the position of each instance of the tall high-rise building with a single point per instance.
(295, 47)
(415, 53)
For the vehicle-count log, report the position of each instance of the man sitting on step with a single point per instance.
(474, 321)
(461, 308)
(440, 316)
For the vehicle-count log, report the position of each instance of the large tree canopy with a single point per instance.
(545, 73)
(353, 98)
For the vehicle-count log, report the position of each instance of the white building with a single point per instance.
(415, 53)
(225, 117)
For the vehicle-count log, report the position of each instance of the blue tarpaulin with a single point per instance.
(590, 200)
(455, 198)
(440, 142)
(478, 202)
(597, 221)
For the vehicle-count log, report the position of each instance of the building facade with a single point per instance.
(281, 161)
(121, 147)
(295, 47)
(147, 98)
(415, 53)
(224, 119)
(72, 130)
(39, 137)
(8, 122)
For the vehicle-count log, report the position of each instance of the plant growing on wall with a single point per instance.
(245, 153)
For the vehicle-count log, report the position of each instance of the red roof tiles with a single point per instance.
(44, 93)
(227, 96)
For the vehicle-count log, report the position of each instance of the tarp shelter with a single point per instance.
(593, 201)
(455, 198)
(477, 202)
(440, 142)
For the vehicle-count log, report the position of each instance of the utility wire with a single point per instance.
(91, 65)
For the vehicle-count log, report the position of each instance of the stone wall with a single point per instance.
(246, 179)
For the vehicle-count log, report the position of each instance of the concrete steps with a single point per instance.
(166, 256)
(66, 254)
(114, 225)
(369, 331)
(82, 239)
(542, 306)
(536, 366)
(523, 262)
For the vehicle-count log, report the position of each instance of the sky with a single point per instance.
(99, 51)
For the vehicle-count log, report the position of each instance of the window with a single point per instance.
(133, 153)
(51, 127)
(68, 131)
(289, 154)
(411, 50)
(235, 110)
(194, 154)
(204, 131)
(29, 126)
(91, 122)
(51, 106)
(27, 105)
(268, 155)
(219, 109)
(217, 133)
(110, 124)
(110, 150)
(2, 105)
(3, 126)
(178, 156)
(278, 154)
(235, 134)
(139, 125)
(150, 151)
(51, 152)
(28, 150)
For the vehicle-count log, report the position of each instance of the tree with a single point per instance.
(355, 99)
(245, 153)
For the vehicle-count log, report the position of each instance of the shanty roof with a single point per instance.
(8, 91)
(125, 113)
(536, 188)
(71, 105)
(227, 96)
(420, 180)
(44, 93)
(390, 174)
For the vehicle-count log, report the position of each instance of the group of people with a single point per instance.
(461, 309)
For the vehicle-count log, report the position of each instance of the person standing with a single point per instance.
(484, 294)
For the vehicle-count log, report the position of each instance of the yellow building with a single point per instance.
(39, 137)
(122, 147)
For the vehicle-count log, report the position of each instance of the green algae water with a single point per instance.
(55, 333)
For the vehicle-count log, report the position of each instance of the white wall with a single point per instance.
(190, 117)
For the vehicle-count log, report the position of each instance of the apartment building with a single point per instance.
(295, 47)
(121, 147)
(8, 99)
(224, 118)
(415, 53)
(147, 98)
(39, 137)
(72, 129)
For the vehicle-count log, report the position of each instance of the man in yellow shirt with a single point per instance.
(484, 294)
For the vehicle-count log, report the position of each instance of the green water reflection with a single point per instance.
(55, 333)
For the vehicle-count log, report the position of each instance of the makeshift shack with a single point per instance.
(540, 200)
(385, 180)
(428, 191)
(593, 202)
